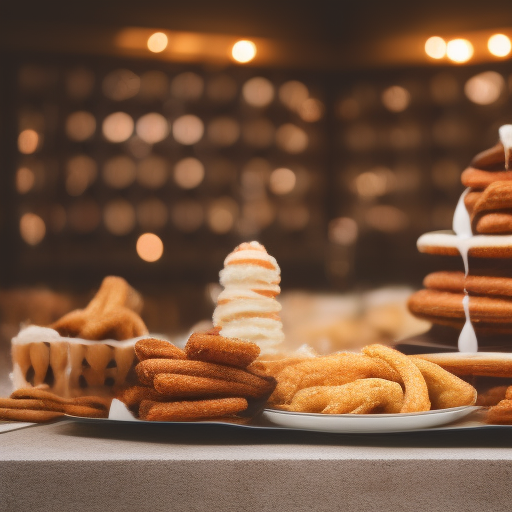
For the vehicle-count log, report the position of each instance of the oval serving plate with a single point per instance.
(366, 423)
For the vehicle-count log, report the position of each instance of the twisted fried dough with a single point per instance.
(215, 348)
(192, 410)
(445, 390)
(32, 416)
(416, 392)
(148, 369)
(111, 314)
(333, 370)
(134, 395)
(500, 414)
(186, 386)
(96, 402)
(358, 397)
(152, 348)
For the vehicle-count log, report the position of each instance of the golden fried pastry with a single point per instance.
(191, 410)
(445, 390)
(358, 397)
(333, 370)
(416, 397)
(500, 414)
(111, 314)
(214, 348)
(148, 369)
(186, 386)
(152, 348)
(29, 415)
(134, 395)
(491, 396)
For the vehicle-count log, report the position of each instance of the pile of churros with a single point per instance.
(378, 380)
(39, 405)
(208, 380)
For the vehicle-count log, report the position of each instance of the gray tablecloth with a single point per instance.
(85, 467)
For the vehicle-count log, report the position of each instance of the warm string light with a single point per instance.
(157, 42)
(243, 51)
(499, 45)
(435, 47)
(459, 50)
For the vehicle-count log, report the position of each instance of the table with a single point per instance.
(88, 467)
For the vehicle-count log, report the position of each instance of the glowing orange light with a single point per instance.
(25, 180)
(32, 228)
(243, 51)
(499, 45)
(157, 42)
(28, 140)
(118, 127)
(435, 47)
(149, 247)
(459, 50)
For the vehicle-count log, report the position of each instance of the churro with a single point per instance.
(152, 348)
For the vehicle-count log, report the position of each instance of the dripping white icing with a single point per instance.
(506, 139)
(462, 227)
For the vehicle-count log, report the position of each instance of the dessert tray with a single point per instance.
(457, 418)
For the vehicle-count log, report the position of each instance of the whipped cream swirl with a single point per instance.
(247, 308)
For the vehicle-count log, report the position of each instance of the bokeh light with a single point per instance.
(282, 181)
(387, 218)
(291, 138)
(118, 127)
(396, 98)
(121, 84)
(119, 217)
(25, 180)
(150, 247)
(499, 45)
(152, 128)
(80, 126)
(32, 228)
(187, 215)
(187, 86)
(243, 51)
(258, 92)
(485, 88)
(293, 94)
(459, 50)
(28, 142)
(119, 172)
(222, 214)
(81, 172)
(375, 183)
(152, 214)
(435, 47)
(188, 129)
(343, 231)
(311, 110)
(152, 172)
(188, 173)
(223, 131)
(157, 42)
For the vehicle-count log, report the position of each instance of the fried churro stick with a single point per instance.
(274, 367)
(146, 371)
(500, 414)
(215, 348)
(152, 348)
(96, 402)
(12, 403)
(445, 390)
(186, 386)
(333, 370)
(416, 397)
(354, 397)
(133, 396)
(84, 411)
(29, 415)
(193, 410)
(111, 314)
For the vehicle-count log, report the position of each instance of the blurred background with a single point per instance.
(148, 139)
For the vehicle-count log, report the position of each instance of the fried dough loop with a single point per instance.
(380, 380)
(111, 314)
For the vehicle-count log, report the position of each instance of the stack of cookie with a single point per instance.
(210, 379)
(475, 302)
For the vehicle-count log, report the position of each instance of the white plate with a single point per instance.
(366, 423)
